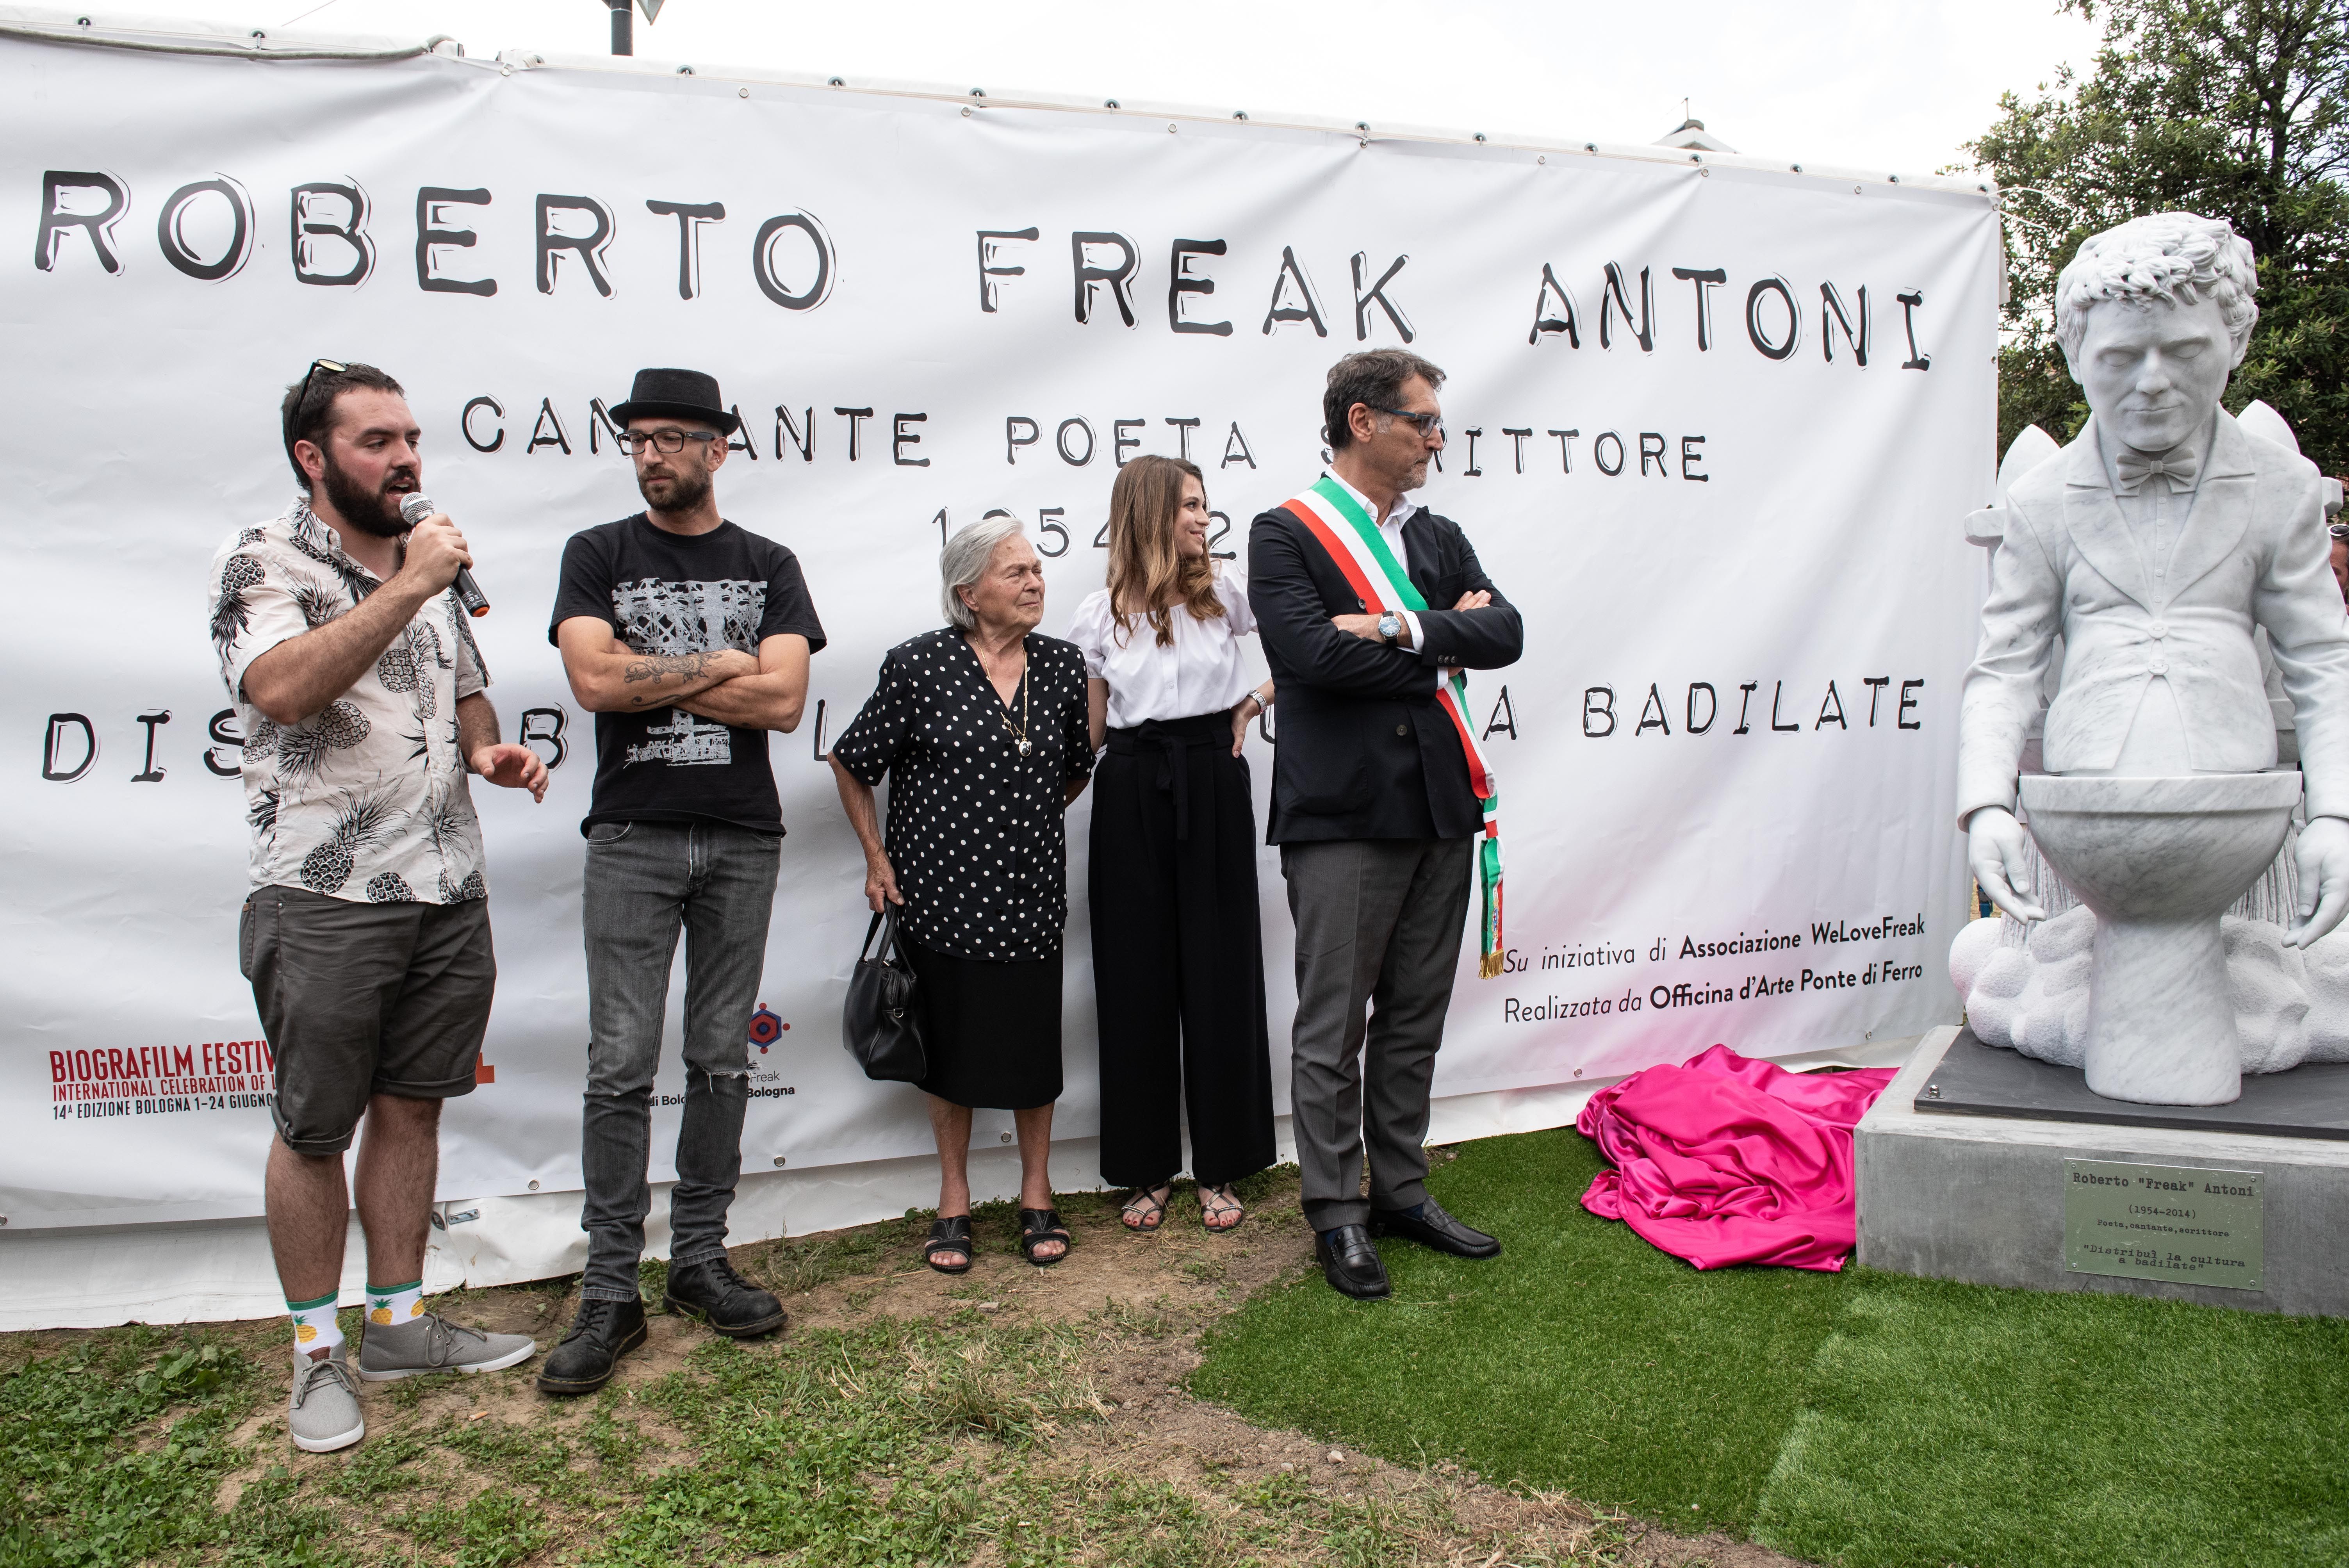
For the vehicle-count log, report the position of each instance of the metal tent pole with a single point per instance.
(624, 40)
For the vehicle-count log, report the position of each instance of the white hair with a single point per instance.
(963, 560)
(2180, 257)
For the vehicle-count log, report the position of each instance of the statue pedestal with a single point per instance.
(1982, 1165)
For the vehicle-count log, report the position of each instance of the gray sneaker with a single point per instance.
(430, 1343)
(324, 1413)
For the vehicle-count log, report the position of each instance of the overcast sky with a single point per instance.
(1890, 84)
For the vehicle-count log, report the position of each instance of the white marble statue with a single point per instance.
(2152, 547)
(2290, 1005)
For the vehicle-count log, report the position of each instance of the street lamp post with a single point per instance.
(624, 41)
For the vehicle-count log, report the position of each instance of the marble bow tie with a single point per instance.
(2135, 468)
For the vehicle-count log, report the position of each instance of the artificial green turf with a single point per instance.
(1581, 1359)
(1866, 1420)
(1947, 1423)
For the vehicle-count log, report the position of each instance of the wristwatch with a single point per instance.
(1390, 627)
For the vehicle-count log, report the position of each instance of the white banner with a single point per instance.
(1713, 424)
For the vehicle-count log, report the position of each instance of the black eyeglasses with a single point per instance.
(1428, 424)
(294, 418)
(632, 442)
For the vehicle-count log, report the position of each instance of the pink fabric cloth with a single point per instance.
(1726, 1161)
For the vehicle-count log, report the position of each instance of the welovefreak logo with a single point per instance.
(766, 1028)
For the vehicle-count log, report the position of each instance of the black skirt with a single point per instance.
(992, 1029)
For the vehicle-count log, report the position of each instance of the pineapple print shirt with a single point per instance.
(366, 800)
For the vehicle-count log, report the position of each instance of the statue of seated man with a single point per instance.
(2153, 544)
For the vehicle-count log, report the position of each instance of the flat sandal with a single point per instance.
(1228, 1204)
(1146, 1210)
(1038, 1226)
(950, 1233)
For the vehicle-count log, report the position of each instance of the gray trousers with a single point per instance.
(645, 883)
(1379, 923)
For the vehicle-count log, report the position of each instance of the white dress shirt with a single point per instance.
(1389, 529)
(1203, 671)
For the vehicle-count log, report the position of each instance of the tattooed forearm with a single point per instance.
(665, 669)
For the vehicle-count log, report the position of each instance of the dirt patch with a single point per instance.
(1185, 1278)
(1138, 1305)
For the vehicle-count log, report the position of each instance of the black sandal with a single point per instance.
(1038, 1226)
(1146, 1210)
(950, 1233)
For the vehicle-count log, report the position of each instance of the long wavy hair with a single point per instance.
(1145, 569)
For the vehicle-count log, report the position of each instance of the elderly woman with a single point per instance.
(1177, 964)
(980, 727)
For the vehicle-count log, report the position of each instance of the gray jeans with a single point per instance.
(644, 881)
(1379, 923)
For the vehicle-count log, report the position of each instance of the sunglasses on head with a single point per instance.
(294, 419)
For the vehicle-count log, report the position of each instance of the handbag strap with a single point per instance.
(884, 921)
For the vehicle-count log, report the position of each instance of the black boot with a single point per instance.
(602, 1332)
(710, 1290)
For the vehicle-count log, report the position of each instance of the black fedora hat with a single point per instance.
(679, 395)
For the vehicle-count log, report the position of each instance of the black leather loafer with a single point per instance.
(1432, 1227)
(1351, 1263)
(710, 1290)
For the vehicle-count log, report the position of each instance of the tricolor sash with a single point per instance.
(1345, 530)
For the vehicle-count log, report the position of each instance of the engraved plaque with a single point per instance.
(2184, 1224)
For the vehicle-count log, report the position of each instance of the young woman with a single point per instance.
(1178, 966)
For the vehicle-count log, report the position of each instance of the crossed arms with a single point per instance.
(766, 690)
(1305, 642)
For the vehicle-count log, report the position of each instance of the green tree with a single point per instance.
(2235, 108)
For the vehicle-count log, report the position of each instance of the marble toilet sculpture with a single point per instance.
(2151, 568)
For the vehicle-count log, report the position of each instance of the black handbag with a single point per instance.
(881, 1024)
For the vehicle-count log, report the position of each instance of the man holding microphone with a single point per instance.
(367, 933)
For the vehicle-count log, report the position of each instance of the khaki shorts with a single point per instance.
(362, 999)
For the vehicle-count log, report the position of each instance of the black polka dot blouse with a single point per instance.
(975, 829)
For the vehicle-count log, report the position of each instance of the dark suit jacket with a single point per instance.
(1363, 751)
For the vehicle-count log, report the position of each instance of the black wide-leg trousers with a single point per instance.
(1178, 965)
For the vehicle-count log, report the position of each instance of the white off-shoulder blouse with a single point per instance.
(1203, 671)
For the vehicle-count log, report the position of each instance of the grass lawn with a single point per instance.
(1947, 1423)
(1581, 1359)
(1012, 1417)
(1183, 1401)
(1863, 1418)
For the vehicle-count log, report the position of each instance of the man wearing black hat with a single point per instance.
(689, 638)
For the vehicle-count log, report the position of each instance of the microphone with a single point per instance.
(414, 508)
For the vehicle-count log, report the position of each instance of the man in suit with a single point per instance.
(2153, 544)
(1373, 804)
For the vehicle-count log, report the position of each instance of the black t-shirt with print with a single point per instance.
(664, 593)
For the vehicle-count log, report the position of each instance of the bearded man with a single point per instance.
(367, 933)
(689, 638)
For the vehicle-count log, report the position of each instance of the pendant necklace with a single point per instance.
(1020, 730)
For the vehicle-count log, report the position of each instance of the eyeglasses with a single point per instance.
(294, 419)
(1428, 424)
(633, 442)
